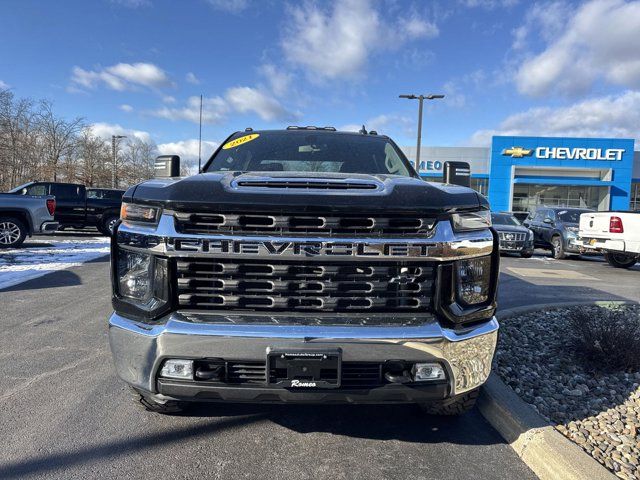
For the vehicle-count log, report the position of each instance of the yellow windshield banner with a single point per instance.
(240, 141)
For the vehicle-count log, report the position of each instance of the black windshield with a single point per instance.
(310, 152)
(504, 219)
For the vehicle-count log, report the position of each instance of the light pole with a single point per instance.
(421, 98)
(114, 157)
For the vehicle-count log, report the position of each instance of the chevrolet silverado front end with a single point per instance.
(304, 266)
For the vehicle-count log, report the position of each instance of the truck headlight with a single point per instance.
(130, 212)
(142, 279)
(464, 222)
(474, 280)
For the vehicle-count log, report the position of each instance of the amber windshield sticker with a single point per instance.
(240, 141)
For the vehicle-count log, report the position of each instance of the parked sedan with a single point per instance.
(514, 237)
(556, 229)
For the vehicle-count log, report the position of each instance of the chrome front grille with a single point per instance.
(303, 287)
(512, 236)
(283, 224)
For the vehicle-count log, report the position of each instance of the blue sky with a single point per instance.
(505, 66)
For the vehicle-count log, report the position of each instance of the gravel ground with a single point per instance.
(600, 411)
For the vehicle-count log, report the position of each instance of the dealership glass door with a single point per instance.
(528, 197)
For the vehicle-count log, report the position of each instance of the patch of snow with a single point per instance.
(18, 265)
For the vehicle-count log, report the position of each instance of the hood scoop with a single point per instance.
(306, 184)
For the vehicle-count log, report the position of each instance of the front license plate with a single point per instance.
(304, 369)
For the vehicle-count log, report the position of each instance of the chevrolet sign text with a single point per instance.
(579, 153)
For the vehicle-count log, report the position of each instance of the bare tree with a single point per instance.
(95, 156)
(137, 160)
(58, 136)
(36, 144)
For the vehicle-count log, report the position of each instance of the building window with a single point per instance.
(635, 197)
(527, 198)
(480, 185)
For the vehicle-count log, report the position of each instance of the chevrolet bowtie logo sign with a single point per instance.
(517, 152)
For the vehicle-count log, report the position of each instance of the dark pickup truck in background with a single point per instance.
(78, 206)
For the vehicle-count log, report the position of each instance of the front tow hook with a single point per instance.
(203, 373)
(403, 377)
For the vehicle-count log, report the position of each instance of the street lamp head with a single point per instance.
(432, 96)
(118, 136)
(410, 97)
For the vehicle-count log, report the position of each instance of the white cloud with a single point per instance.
(599, 42)
(336, 42)
(105, 130)
(382, 124)
(229, 6)
(188, 151)
(126, 108)
(168, 99)
(610, 116)
(3, 85)
(453, 96)
(417, 27)
(191, 78)
(279, 81)
(214, 110)
(247, 99)
(236, 99)
(122, 76)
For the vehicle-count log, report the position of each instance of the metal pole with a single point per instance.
(421, 99)
(200, 140)
(113, 161)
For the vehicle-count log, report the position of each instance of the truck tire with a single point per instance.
(108, 222)
(170, 407)
(620, 260)
(12, 232)
(453, 406)
(526, 253)
(557, 247)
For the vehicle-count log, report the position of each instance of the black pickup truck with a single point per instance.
(78, 206)
(304, 265)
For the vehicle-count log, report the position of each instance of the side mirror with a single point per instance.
(167, 166)
(457, 173)
(548, 221)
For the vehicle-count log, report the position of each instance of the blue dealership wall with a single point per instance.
(502, 166)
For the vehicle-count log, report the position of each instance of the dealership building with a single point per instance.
(520, 173)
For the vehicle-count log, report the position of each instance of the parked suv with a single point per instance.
(514, 237)
(78, 206)
(556, 229)
(304, 265)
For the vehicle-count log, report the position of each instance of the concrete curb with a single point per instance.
(548, 453)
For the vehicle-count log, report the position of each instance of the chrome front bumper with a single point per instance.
(139, 348)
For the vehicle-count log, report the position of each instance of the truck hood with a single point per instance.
(278, 190)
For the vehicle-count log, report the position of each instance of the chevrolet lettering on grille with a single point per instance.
(303, 249)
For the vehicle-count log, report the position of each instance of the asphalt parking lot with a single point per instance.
(65, 415)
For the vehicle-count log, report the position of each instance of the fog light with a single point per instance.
(424, 372)
(177, 369)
